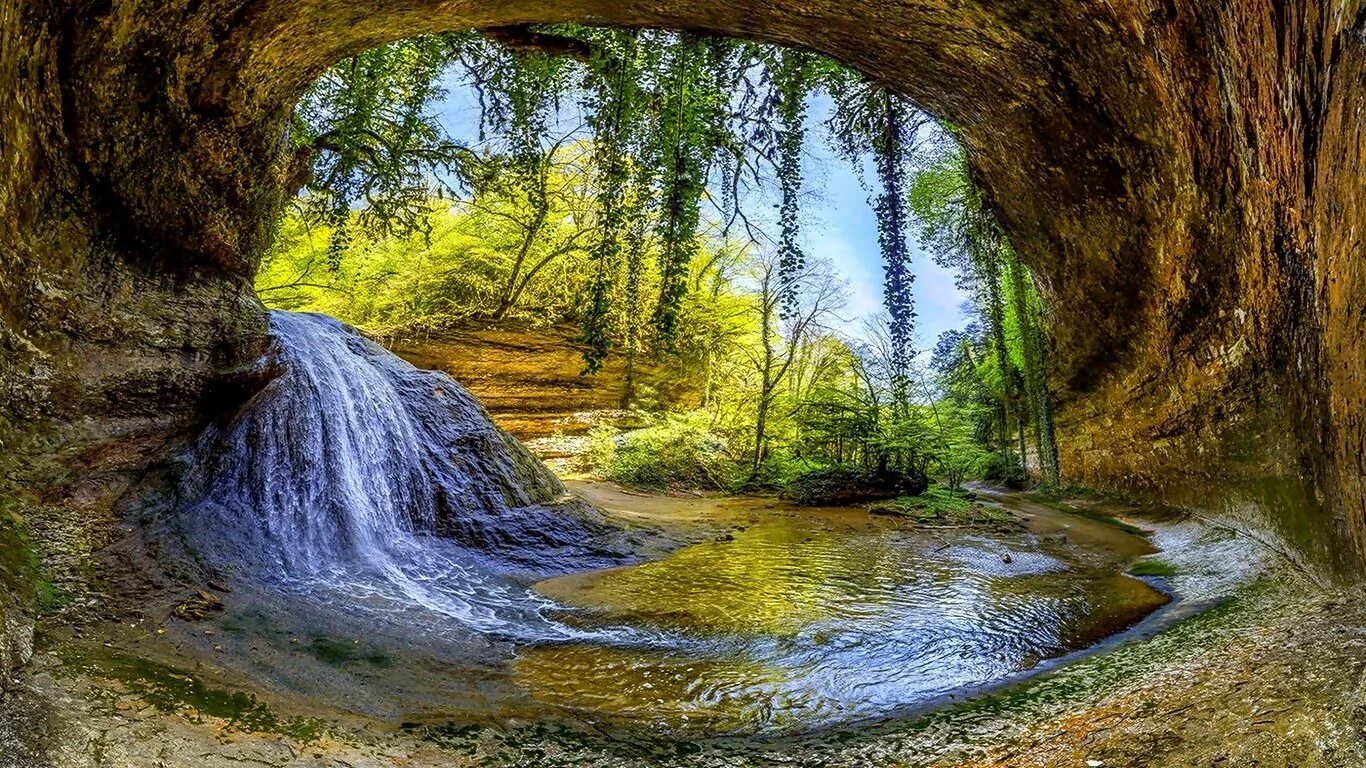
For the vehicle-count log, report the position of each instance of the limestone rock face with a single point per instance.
(1184, 175)
(16, 634)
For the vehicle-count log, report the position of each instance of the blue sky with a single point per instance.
(837, 220)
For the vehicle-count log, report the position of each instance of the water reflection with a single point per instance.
(800, 621)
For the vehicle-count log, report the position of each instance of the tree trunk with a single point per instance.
(760, 435)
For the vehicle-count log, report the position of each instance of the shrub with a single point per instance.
(676, 452)
(838, 486)
(1005, 470)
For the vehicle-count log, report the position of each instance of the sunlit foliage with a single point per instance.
(610, 191)
(677, 121)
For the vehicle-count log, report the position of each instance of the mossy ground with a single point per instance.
(174, 691)
(339, 651)
(1050, 498)
(1153, 566)
(942, 507)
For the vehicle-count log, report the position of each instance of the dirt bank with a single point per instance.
(529, 378)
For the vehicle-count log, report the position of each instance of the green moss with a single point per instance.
(940, 506)
(20, 574)
(1092, 678)
(1153, 566)
(1090, 514)
(173, 691)
(338, 651)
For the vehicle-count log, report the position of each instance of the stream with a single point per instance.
(390, 553)
(799, 619)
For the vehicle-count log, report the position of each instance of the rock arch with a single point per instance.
(1183, 174)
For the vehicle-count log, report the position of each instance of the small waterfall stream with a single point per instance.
(378, 492)
(354, 473)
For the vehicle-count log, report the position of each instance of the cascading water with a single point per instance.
(353, 472)
(384, 495)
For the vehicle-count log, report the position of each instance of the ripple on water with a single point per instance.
(793, 625)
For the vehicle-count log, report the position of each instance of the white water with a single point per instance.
(353, 475)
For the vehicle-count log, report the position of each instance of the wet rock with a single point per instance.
(198, 606)
(16, 636)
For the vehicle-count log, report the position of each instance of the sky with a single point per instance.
(838, 224)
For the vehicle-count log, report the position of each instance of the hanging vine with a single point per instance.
(613, 108)
(869, 119)
(792, 82)
(365, 140)
(675, 121)
(896, 258)
(691, 108)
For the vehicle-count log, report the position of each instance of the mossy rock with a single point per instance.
(842, 487)
(940, 507)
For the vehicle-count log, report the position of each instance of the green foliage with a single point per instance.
(497, 256)
(693, 104)
(872, 120)
(791, 73)
(1004, 469)
(837, 486)
(616, 116)
(1152, 566)
(676, 452)
(948, 508)
(368, 130)
(675, 120)
(1004, 370)
(605, 227)
(936, 499)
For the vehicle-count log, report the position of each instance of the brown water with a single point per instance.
(796, 619)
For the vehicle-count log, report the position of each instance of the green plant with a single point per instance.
(676, 452)
(835, 486)
(948, 507)
(1152, 566)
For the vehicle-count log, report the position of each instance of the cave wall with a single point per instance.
(96, 344)
(1182, 174)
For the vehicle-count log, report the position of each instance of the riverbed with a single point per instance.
(762, 619)
(791, 619)
(1235, 667)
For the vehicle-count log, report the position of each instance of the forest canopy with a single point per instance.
(618, 186)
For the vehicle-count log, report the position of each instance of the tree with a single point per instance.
(965, 237)
(790, 309)
(549, 215)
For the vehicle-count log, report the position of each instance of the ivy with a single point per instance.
(869, 119)
(676, 122)
(691, 111)
(613, 106)
(891, 224)
(792, 80)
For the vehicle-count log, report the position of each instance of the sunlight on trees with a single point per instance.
(629, 222)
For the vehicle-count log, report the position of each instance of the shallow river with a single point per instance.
(796, 618)
(776, 621)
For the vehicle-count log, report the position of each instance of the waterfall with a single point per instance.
(354, 474)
